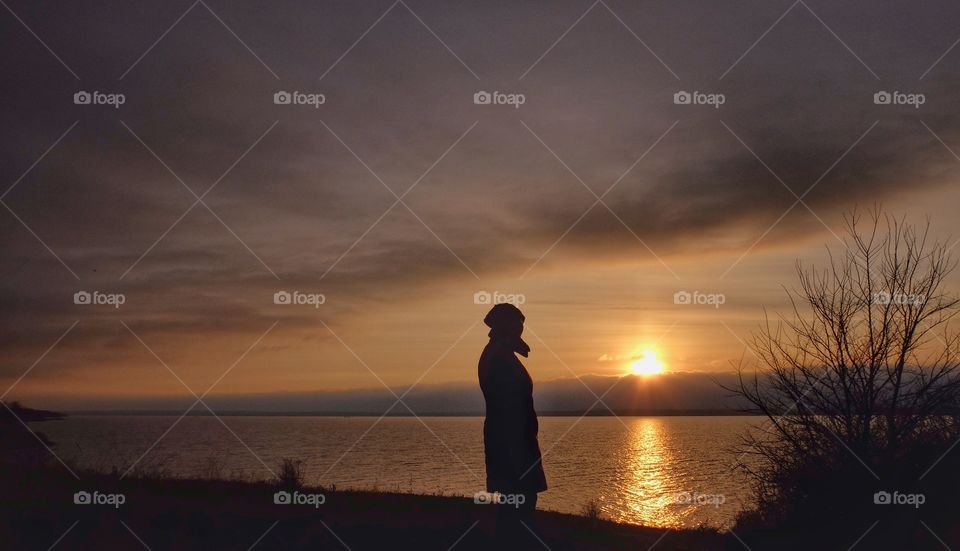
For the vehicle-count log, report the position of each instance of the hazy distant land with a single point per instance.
(667, 394)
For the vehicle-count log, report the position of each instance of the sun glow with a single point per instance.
(647, 364)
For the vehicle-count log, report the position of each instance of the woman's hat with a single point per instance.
(503, 314)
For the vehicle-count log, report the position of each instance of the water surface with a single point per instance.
(660, 471)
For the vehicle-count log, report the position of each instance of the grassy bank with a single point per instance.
(44, 506)
(38, 508)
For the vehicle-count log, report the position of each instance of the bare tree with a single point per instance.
(864, 371)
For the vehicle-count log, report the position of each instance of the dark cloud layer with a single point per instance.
(200, 97)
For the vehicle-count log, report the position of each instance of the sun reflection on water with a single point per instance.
(646, 483)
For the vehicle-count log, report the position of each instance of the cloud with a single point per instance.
(298, 200)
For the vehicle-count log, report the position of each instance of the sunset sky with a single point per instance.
(399, 198)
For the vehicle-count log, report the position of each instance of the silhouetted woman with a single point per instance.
(510, 429)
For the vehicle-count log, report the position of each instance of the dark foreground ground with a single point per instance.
(37, 511)
(38, 508)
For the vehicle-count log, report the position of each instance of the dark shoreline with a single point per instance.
(240, 413)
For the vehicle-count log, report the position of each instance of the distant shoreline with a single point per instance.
(604, 413)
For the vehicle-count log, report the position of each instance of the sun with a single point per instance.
(647, 364)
